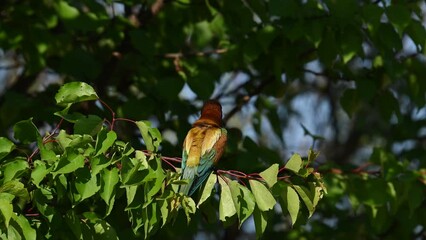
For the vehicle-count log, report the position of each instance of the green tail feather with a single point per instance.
(195, 180)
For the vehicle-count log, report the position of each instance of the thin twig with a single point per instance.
(112, 113)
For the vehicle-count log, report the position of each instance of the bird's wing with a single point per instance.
(191, 157)
(211, 150)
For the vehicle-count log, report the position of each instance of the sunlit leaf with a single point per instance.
(289, 200)
(151, 136)
(6, 209)
(189, 207)
(295, 163)
(69, 163)
(264, 199)
(6, 146)
(15, 188)
(109, 180)
(74, 92)
(21, 224)
(104, 141)
(85, 184)
(244, 201)
(15, 168)
(306, 196)
(226, 204)
(207, 189)
(270, 175)
(66, 11)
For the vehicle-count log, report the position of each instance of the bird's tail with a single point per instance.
(189, 173)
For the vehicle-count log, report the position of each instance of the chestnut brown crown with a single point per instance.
(211, 113)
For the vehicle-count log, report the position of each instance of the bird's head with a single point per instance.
(212, 112)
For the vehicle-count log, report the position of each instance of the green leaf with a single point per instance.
(21, 224)
(14, 169)
(69, 163)
(226, 204)
(68, 141)
(43, 201)
(134, 196)
(137, 219)
(295, 163)
(74, 223)
(260, 221)
(102, 229)
(399, 15)
(289, 201)
(151, 217)
(26, 132)
(270, 175)
(264, 199)
(164, 210)
(109, 180)
(189, 207)
(151, 136)
(70, 117)
(243, 199)
(65, 11)
(6, 209)
(154, 185)
(389, 38)
(15, 188)
(104, 141)
(306, 195)
(85, 184)
(6, 146)
(45, 153)
(208, 187)
(417, 32)
(90, 125)
(74, 92)
(135, 171)
(312, 155)
(98, 163)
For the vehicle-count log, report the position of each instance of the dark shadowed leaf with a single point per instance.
(25, 131)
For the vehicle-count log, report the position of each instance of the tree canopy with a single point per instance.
(322, 99)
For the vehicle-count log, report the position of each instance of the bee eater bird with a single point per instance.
(203, 146)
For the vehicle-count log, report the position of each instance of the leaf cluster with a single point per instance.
(77, 184)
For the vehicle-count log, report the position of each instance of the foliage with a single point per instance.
(351, 72)
(74, 184)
